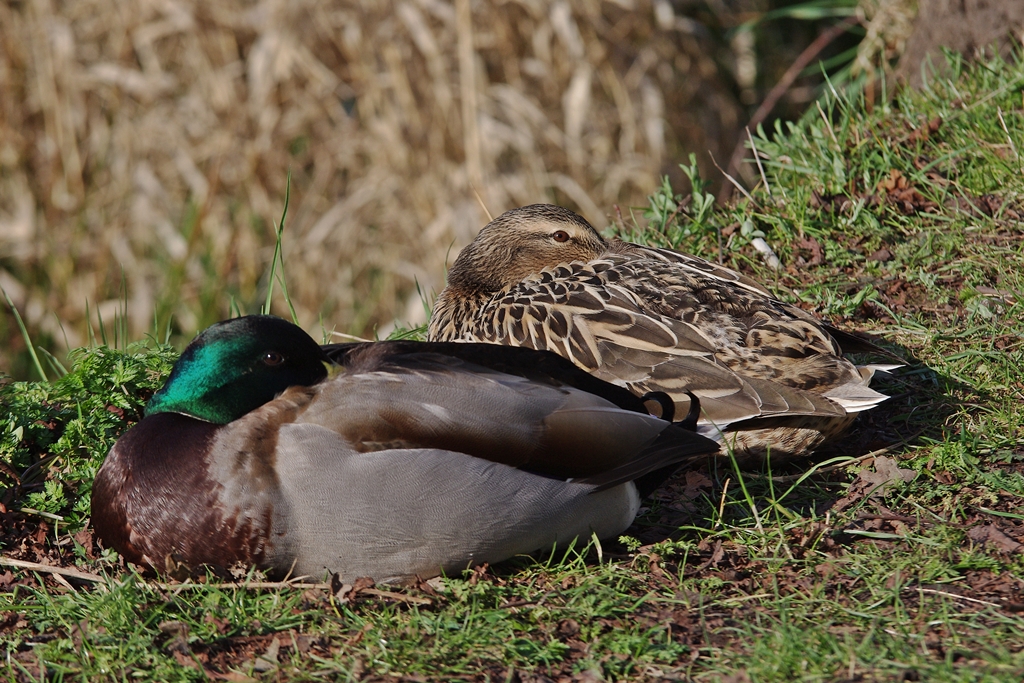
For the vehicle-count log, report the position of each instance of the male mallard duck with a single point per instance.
(387, 460)
(770, 376)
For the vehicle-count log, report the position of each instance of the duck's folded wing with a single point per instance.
(433, 401)
(610, 332)
(727, 398)
(846, 341)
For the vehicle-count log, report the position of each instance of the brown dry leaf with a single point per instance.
(924, 132)
(882, 255)
(185, 659)
(717, 555)
(345, 592)
(898, 192)
(302, 642)
(814, 247)
(886, 471)
(872, 483)
(230, 676)
(479, 572)
(430, 587)
(836, 203)
(567, 628)
(178, 631)
(991, 534)
(696, 482)
(84, 538)
(220, 623)
(268, 660)
(1006, 295)
(895, 181)
(825, 570)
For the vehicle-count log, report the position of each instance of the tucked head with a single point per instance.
(521, 242)
(238, 365)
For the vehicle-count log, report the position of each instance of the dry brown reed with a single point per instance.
(150, 140)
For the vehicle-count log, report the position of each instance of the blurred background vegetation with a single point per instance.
(146, 145)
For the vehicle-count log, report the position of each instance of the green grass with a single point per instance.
(754, 576)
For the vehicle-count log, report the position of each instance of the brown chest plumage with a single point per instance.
(155, 498)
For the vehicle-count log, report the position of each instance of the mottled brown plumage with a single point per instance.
(769, 375)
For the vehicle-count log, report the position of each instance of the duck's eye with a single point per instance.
(272, 358)
(560, 236)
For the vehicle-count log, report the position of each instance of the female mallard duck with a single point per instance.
(770, 377)
(388, 460)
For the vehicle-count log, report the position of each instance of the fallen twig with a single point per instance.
(732, 180)
(776, 93)
(274, 585)
(247, 585)
(253, 585)
(951, 595)
(402, 597)
(47, 569)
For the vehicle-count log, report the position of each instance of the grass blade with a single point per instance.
(25, 335)
(279, 258)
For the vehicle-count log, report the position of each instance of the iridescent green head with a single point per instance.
(238, 365)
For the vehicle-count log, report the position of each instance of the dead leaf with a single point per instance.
(184, 659)
(925, 131)
(230, 676)
(895, 181)
(717, 555)
(989, 533)
(567, 628)
(84, 539)
(344, 592)
(695, 481)
(882, 255)
(221, 624)
(814, 247)
(825, 570)
(178, 631)
(872, 483)
(302, 642)
(268, 660)
(886, 471)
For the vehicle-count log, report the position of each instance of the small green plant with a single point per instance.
(56, 434)
(666, 208)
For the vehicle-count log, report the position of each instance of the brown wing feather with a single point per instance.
(639, 324)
